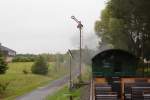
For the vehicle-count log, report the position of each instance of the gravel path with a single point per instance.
(42, 92)
(85, 94)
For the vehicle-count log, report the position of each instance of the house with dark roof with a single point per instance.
(8, 53)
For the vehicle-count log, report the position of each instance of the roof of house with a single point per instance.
(3, 48)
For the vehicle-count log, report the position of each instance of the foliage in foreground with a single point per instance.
(3, 65)
(3, 85)
(40, 66)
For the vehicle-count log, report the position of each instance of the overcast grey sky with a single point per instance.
(38, 26)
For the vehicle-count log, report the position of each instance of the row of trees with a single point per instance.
(24, 58)
(32, 57)
(125, 24)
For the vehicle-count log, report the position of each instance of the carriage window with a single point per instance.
(118, 67)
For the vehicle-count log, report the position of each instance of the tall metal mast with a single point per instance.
(79, 26)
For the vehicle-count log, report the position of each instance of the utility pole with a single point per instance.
(79, 26)
(70, 76)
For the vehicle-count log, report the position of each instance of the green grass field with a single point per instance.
(63, 94)
(21, 83)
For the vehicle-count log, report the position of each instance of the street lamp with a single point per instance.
(79, 26)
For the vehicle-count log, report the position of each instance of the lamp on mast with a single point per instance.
(79, 26)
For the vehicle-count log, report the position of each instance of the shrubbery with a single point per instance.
(40, 66)
(3, 86)
(25, 71)
(3, 65)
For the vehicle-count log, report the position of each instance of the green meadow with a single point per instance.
(20, 83)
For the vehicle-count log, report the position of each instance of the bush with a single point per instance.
(3, 65)
(25, 71)
(3, 86)
(40, 66)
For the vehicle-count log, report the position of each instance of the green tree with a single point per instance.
(110, 30)
(126, 24)
(3, 65)
(40, 66)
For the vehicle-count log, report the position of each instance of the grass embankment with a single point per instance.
(21, 83)
(62, 94)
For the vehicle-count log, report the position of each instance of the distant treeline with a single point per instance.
(60, 58)
(33, 57)
(24, 58)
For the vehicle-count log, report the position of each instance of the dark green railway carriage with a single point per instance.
(114, 62)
